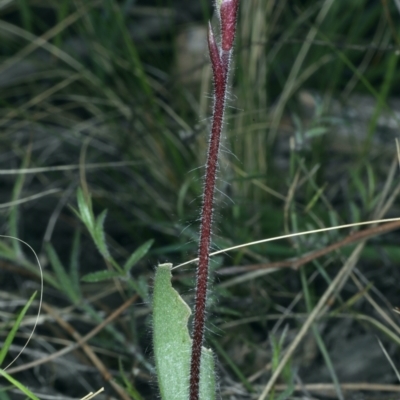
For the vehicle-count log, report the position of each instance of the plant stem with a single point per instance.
(220, 64)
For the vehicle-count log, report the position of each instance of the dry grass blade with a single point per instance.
(91, 395)
(339, 279)
(29, 198)
(291, 235)
(384, 315)
(38, 42)
(335, 286)
(376, 42)
(325, 388)
(72, 62)
(390, 360)
(39, 98)
(75, 346)
(66, 167)
(89, 352)
(294, 73)
(298, 262)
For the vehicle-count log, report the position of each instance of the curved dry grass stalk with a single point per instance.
(79, 343)
(334, 288)
(40, 300)
(291, 235)
(340, 278)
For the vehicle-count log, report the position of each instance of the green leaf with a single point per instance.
(142, 287)
(101, 276)
(74, 261)
(19, 385)
(314, 132)
(63, 279)
(11, 335)
(95, 226)
(172, 343)
(99, 236)
(138, 254)
(85, 211)
(6, 251)
(14, 212)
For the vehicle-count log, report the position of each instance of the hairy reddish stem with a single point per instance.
(220, 65)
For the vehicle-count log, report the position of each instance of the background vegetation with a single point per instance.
(114, 97)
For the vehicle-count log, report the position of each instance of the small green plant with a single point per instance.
(95, 226)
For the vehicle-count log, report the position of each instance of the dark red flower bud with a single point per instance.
(228, 13)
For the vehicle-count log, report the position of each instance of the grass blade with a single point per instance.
(19, 385)
(63, 278)
(11, 335)
(138, 254)
(100, 276)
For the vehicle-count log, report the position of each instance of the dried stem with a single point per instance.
(296, 263)
(220, 58)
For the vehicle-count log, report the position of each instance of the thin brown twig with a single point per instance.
(335, 286)
(80, 342)
(296, 263)
(88, 351)
(342, 276)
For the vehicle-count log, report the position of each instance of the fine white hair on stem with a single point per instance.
(196, 169)
(224, 195)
